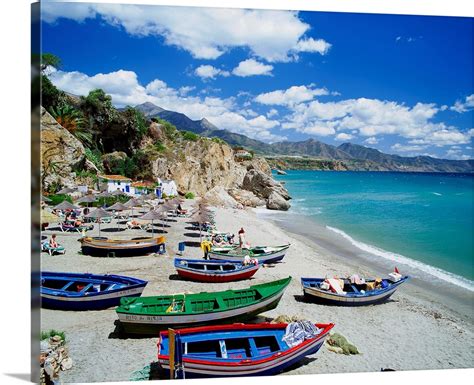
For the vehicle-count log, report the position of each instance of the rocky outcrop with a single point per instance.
(61, 153)
(218, 196)
(199, 166)
(263, 185)
(276, 202)
(155, 131)
(246, 198)
(111, 160)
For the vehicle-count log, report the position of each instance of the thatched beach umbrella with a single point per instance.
(133, 203)
(87, 199)
(103, 194)
(45, 199)
(66, 190)
(201, 218)
(117, 207)
(98, 213)
(152, 215)
(65, 205)
(48, 217)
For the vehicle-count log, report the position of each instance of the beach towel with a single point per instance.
(297, 332)
(354, 278)
(336, 285)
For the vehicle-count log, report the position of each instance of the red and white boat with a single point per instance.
(215, 270)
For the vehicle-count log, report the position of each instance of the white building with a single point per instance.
(116, 182)
(168, 187)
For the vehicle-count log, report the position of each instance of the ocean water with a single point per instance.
(423, 220)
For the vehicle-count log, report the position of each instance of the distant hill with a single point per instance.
(353, 156)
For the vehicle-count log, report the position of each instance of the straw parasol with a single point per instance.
(87, 199)
(98, 213)
(117, 207)
(66, 190)
(133, 203)
(65, 205)
(103, 194)
(48, 217)
(45, 199)
(152, 215)
(201, 217)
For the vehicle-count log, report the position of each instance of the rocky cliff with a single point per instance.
(61, 153)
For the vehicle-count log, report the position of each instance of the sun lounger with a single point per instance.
(137, 225)
(52, 250)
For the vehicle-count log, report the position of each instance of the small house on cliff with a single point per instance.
(143, 188)
(115, 182)
(167, 187)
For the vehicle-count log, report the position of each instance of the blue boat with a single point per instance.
(201, 270)
(75, 291)
(238, 349)
(352, 295)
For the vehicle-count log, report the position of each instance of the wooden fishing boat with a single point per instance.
(147, 315)
(73, 291)
(103, 247)
(214, 271)
(238, 349)
(354, 295)
(263, 254)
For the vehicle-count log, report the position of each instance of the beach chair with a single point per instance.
(52, 250)
(137, 225)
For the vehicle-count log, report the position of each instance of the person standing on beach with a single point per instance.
(242, 242)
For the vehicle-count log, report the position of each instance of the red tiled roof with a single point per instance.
(143, 184)
(114, 177)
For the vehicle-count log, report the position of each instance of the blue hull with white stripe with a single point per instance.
(352, 297)
(75, 291)
(238, 350)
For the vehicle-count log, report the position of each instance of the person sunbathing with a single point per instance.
(52, 242)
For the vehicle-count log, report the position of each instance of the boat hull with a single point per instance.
(150, 325)
(187, 269)
(84, 303)
(274, 257)
(61, 299)
(214, 278)
(119, 248)
(119, 252)
(329, 298)
(279, 362)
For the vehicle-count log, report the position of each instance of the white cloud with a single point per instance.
(291, 96)
(251, 67)
(311, 45)
(456, 153)
(210, 72)
(407, 148)
(464, 106)
(206, 33)
(273, 112)
(125, 89)
(342, 136)
(371, 140)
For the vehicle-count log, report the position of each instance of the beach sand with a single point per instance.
(408, 332)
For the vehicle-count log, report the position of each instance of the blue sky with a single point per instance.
(401, 84)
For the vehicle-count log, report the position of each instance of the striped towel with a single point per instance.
(297, 332)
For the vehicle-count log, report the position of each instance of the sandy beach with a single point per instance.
(410, 331)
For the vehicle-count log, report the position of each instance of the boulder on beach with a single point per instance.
(246, 198)
(263, 185)
(276, 202)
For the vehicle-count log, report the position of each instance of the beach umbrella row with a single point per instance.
(97, 214)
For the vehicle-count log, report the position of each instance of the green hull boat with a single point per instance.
(147, 315)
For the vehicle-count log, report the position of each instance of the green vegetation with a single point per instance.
(160, 147)
(218, 140)
(85, 174)
(95, 157)
(189, 195)
(188, 135)
(51, 333)
(58, 198)
(72, 120)
(49, 60)
(170, 130)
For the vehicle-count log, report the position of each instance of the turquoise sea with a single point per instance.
(424, 220)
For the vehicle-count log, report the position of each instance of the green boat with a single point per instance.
(147, 315)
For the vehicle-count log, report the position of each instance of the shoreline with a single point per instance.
(453, 297)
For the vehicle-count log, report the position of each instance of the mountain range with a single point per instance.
(356, 156)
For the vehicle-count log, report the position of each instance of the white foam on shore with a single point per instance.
(428, 269)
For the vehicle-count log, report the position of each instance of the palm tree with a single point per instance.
(73, 121)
